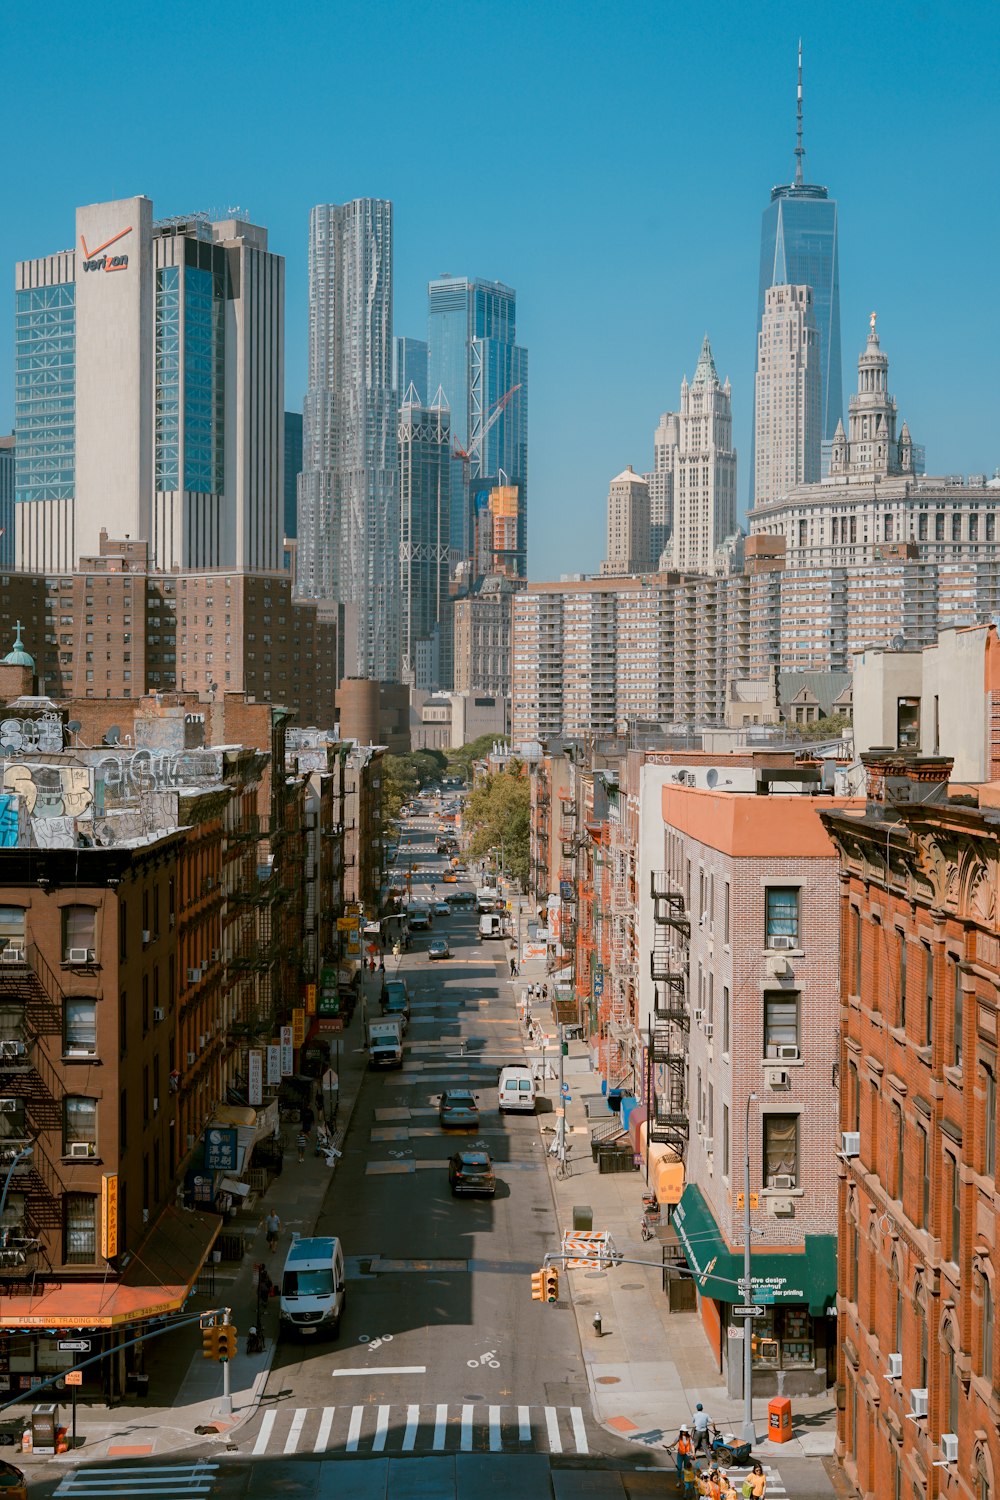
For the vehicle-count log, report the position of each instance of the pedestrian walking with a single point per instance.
(307, 1118)
(513, 967)
(683, 1449)
(302, 1144)
(700, 1423)
(754, 1486)
(272, 1228)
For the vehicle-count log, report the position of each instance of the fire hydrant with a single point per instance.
(598, 1328)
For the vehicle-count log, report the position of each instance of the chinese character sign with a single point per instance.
(255, 1078)
(220, 1150)
(287, 1063)
(273, 1066)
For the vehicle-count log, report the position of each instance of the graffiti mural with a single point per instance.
(132, 775)
(21, 736)
(8, 821)
(51, 791)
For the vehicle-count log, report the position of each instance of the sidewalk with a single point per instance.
(185, 1402)
(651, 1367)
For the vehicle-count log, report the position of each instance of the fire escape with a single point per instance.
(568, 881)
(668, 1037)
(619, 992)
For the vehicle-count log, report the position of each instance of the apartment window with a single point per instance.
(991, 528)
(11, 927)
(725, 1140)
(781, 1024)
(122, 931)
(986, 1332)
(897, 1325)
(952, 1381)
(782, 915)
(955, 1179)
(939, 527)
(928, 994)
(956, 991)
(973, 528)
(123, 1023)
(922, 1331)
(725, 1018)
(853, 1254)
(145, 1094)
(925, 1179)
(990, 1123)
(710, 1122)
(781, 1150)
(897, 1113)
(123, 1119)
(725, 914)
(853, 1097)
(145, 1003)
(956, 531)
(80, 1028)
(922, 528)
(79, 1229)
(901, 1012)
(79, 925)
(79, 1125)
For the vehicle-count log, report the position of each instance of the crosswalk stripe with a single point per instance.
(325, 1425)
(466, 1429)
(298, 1422)
(523, 1425)
(496, 1441)
(440, 1425)
(354, 1431)
(579, 1431)
(381, 1430)
(264, 1435)
(552, 1423)
(412, 1426)
(173, 1481)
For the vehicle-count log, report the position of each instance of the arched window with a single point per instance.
(897, 1319)
(920, 1307)
(983, 1473)
(986, 1332)
(950, 1342)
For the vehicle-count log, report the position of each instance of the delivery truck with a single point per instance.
(313, 1286)
(385, 1042)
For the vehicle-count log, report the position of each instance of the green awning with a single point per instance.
(796, 1276)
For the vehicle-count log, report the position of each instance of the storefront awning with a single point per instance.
(157, 1280)
(777, 1276)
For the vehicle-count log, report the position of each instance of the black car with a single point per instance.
(471, 1172)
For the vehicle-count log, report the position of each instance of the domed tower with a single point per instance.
(872, 445)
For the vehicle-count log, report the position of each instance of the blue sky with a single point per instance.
(610, 162)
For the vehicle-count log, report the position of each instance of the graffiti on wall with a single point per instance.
(22, 736)
(8, 821)
(130, 775)
(51, 791)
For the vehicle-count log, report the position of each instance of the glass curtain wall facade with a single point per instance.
(425, 494)
(45, 392)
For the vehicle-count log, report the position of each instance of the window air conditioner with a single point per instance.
(201, 1042)
(12, 955)
(80, 1148)
(12, 1049)
(697, 1016)
(788, 1052)
(193, 976)
(156, 1106)
(709, 1143)
(80, 956)
(708, 1028)
(895, 1366)
(216, 955)
(850, 1143)
(159, 1014)
(192, 1058)
(949, 1447)
(777, 1078)
(781, 1180)
(146, 936)
(781, 940)
(145, 1216)
(171, 920)
(918, 1402)
(779, 968)
(8, 1106)
(190, 1142)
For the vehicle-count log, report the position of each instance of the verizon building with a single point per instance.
(150, 392)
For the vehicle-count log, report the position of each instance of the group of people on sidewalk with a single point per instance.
(712, 1482)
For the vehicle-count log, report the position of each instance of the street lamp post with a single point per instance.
(749, 1435)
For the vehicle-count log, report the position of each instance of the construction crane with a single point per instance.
(498, 409)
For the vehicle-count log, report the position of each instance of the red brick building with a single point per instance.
(919, 1245)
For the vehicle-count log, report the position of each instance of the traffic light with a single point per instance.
(210, 1341)
(537, 1286)
(552, 1285)
(227, 1341)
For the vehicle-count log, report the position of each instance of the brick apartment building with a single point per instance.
(919, 1246)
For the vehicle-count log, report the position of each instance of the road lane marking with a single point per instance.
(384, 1370)
(354, 1431)
(579, 1431)
(440, 1425)
(523, 1425)
(496, 1441)
(264, 1435)
(552, 1424)
(412, 1424)
(298, 1422)
(325, 1425)
(467, 1429)
(381, 1430)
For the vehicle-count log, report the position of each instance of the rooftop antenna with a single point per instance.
(800, 150)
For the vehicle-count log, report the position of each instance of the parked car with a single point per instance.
(397, 1000)
(439, 949)
(458, 1109)
(471, 1172)
(449, 877)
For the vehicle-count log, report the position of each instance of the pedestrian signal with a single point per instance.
(538, 1286)
(552, 1285)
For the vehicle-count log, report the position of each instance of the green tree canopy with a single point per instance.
(498, 813)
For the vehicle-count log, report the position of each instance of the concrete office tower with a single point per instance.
(787, 439)
(628, 525)
(348, 536)
(666, 441)
(150, 386)
(704, 469)
(409, 367)
(6, 502)
(425, 514)
(293, 468)
(798, 247)
(474, 357)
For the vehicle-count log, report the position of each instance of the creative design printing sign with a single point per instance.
(220, 1150)
(287, 1059)
(255, 1078)
(96, 260)
(109, 1215)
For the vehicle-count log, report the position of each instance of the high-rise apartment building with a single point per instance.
(474, 358)
(798, 247)
(666, 441)
(787, 439)
(293, 468)
(482, 631)
(149, 391)
(6, 502)
(410, 367)
(629, 532)
(425, 515)
(348, 531)
(704, 489)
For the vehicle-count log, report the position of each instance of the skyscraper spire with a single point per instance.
(800, 150)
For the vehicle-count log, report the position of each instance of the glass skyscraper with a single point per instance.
(475, 361)
(798, 247)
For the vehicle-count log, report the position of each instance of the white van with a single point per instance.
(313, 1286)
(517, 1089)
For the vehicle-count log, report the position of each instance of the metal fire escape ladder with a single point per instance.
(670, 1021)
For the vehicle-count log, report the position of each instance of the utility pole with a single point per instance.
(227, 1399)
(749, 1435)
(561, 1106)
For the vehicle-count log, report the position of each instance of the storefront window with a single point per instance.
(783, 1339)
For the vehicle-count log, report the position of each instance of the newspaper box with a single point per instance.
(44, 1421)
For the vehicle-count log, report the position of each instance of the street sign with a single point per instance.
(74, 1346)
(73, 1377)
(748, 1312)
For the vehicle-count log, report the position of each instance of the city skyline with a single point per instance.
(652, 291)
